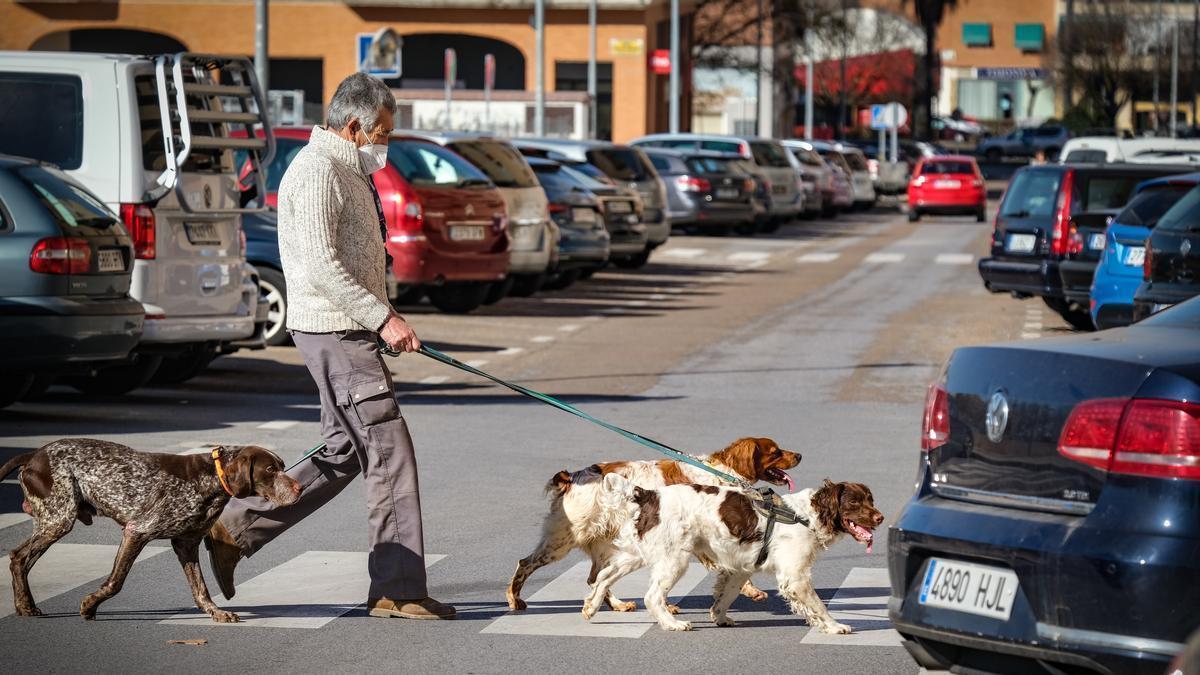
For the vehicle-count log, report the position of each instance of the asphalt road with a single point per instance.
(822, 337)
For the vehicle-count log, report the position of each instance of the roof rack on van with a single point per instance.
(201, 99)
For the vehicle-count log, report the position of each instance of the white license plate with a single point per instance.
(1021, 243)
(967, 587)
(1096, 241)
(582, 215)
(1135, 256)
(466, 232)
(620, 207)
(202, 233)
(727, 193)
(111, 261)
(779, 190)
(947, 184)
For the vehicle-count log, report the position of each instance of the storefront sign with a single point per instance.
(624, 47)
(1011, 73)
(660, 62)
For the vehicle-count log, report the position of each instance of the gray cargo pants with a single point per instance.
(365, 433)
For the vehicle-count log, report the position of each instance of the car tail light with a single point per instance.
(744, 150)
(748, 185)
(139, 220)
(1139, 437)
(935, 428)
(766, 185)
(499, 223)
(1074, 240)
(977, 182)
(1058, 237)
(61, 255)
(1148, 262)
(692, 184)
(408, 222)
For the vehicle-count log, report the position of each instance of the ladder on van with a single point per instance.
(204, 102)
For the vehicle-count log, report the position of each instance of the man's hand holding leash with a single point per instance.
(399, 335)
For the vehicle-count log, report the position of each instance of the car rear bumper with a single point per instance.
(1112, 315)
(1087, 583)
(423, 265)
(716, 213)
(1076, 276)
(582, 249)
(183, 330)
(47, 333)
(1035, 277)
(658, 227)
(970, 202)
(786, 205)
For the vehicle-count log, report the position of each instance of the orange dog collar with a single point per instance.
(216, 455)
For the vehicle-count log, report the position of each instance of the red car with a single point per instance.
(947, 184)
(447, 223)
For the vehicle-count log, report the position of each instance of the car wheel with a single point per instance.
(993, 155)
(771, 226)
(829, 212)
(179, 369)
(274, 293)
(409, 295)
(981, 215)
(634, 261)
(39, 386)
(499, 290)
(589, 272)
(118, 379)
(525, 285)
(1078, 318)
(913, 215)
(748, 229)
(562, 280)
(459, 298)
(13, 387)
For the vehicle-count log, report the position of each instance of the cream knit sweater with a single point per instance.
(333, 256)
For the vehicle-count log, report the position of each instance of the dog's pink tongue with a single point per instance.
(870, 544)
(788, 480)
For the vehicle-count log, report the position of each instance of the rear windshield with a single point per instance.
(1086, 157)
(70, 205)
(1150, 204)
(431, 165)
(1102, 192)
(621, 163)
(500, 161)
(154, 155)
(808, 157)
(551, 176)
(856, 161)
(41, 117)
(835, 157)
(712, 165)
(589, 182)
(591, 171)
(1184, 216)
(662, 164)
(722, 146)
(1031, 194)
(769, 154)
(943, 166)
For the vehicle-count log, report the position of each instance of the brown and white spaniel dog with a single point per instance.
(663, 528)
(576, 519)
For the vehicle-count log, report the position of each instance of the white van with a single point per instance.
(1101, 149)
(151, 137)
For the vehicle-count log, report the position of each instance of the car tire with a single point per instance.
(408, 295)
(829, 212)
(499, 290)
(589, 272)
(994, 155)
(561, 281)
(274, 292)
(13, 387)
(118, 380)
(913, 215)
(770, 226)
(981, 215)
(459, 298)
(525, 285)
(748, 229)
(38, 388)
(633, 262)
(181, 368)
(1079, 319)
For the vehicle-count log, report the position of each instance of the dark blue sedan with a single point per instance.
(1056, 522)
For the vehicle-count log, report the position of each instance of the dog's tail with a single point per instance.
(14, 464)
(561, 482)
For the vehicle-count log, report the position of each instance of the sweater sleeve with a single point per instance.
(315, 223)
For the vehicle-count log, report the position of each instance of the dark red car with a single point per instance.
(447, 224)
(947, 184)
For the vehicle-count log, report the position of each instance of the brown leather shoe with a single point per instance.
(422, 608)
(224, 554)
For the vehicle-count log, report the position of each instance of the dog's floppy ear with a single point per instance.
(614, 482)
(239, 472)
(741, 456)
(826, 502)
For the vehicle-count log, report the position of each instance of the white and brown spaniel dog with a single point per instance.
(664, 528)
(577, 518)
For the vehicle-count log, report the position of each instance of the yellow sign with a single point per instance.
(620, 47)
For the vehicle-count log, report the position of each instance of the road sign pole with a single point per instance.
(449, 66)
(593, 116)
(539, 65)
(262, 63)
(673, 96)
(489, 81)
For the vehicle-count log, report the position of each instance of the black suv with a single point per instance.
(1172, 264)
(1032, 234)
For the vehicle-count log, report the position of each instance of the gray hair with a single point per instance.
(359, 96)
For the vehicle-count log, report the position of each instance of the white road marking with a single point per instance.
(64, 567)
(569, 328)
(684, 252)
(278, 425)
(637, 303)
(1030, 336)
(657, 297)
(954, 259)
(818, 257)
(882, 257)
(307, 591)
(433, 379)
(10, 519)
(1032, 325)
(542, 338)
(555, 608)
(748, 256)
(198, 450)
(477, 363)
(861, 603)
(510, 351)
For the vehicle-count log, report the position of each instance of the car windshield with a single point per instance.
(1184, 315)
(944, 166)
(711, 165)
(71, 206)
(807, 156)
(769, 154)
(1184, 216)
(1032, 193)
(1086, 157)
(500, 161)
(1150, 204)
(856, 161)
(621, 163)
(572, 171)
(429, 164)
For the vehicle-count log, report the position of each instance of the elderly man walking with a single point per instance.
(334, 264)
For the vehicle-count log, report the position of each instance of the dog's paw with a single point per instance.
(627, 606)
(29, 610)
(676, 625)
(674, 609)
(835, 628)
(87, 609)
(589, 611)
(723, 621)
(517, 604)
(755, 594)
(222, 616)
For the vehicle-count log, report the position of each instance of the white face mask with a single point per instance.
(372, 155)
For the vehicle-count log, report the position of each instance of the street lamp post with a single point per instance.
(808, 72)
(673, 121)
(539, 75)
(591, 72)
(1174, 65)
(262, 63)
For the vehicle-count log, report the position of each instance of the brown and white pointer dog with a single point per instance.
(152, 495)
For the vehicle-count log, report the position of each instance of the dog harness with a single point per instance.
(771, 505)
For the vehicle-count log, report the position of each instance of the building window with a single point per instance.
(1030, 37)
(977, 34)
(572, 76)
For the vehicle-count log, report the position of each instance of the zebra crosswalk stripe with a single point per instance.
(307, 591)
(10, 519)
(861, 603)
(63, 567)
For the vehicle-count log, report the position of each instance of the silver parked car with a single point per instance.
(705, 190)
(816, 174)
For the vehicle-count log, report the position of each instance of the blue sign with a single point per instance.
(879, 116)
(382, 65)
